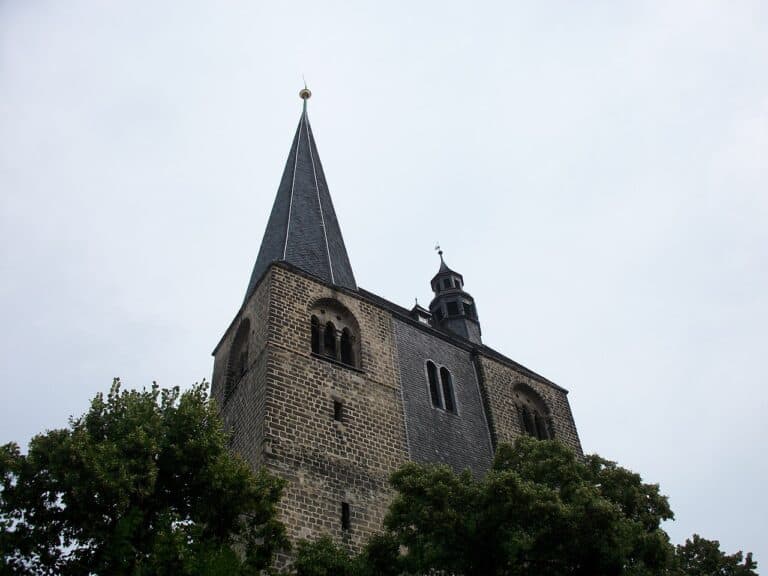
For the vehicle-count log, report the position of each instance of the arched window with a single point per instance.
(434, 389)
(238, 357)
(447, 381)
(335, 333)
(533, 413)
(315, 335)
(542, 430)
(347, 350)
(441, 387)
(329, 341)
(527, 421)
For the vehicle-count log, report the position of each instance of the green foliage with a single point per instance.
(142, 484)
(702, 557)
(539, 511)
(322, 558)
(380, 557)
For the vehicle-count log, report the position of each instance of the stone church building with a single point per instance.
(333, 387)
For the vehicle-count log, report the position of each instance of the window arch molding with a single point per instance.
(534, 415)
(237, 360)
(440, 387)
(334, 332)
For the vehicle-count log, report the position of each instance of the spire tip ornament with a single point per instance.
(305, 93)
(439, 251)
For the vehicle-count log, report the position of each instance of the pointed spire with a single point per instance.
(302, 228)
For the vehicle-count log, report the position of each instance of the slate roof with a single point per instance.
(302, 228)
(404, 314)
(444, 270)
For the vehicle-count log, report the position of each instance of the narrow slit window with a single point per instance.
(315, 335)
(338, 411)
(434, 391)
(467, 309)
(453, 309)
(345, 516)
(329, 342)
(447, 381)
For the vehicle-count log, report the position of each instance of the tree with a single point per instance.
(539, 511)
(142, 484)
(702, 557)
(322, 557)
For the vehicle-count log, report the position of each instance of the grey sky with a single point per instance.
(596, 170)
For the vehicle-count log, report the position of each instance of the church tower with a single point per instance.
(333, 387)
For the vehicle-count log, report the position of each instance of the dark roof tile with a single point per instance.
(302, 228)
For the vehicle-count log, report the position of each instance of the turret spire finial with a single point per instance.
(439, 251)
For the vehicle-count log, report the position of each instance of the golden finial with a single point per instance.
(305, 93)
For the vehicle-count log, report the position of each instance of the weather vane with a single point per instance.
(439, 250)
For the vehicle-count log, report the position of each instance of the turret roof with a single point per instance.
(444, 270)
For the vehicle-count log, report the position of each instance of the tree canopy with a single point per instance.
(702, 557)
(142, 484)
(540, 511)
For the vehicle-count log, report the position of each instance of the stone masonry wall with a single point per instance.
(500, 379)
(328, 462)
(243, 410)
(281, 411)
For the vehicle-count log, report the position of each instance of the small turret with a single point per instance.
(452, 308)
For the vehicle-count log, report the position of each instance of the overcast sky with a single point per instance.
(598, 171)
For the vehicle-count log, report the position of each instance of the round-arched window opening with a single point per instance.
(315, 335)
(447, 381)
(329, 341)
(237, 364)
(440, 382)
(533, 413)
(347, 348)
(335, 333)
